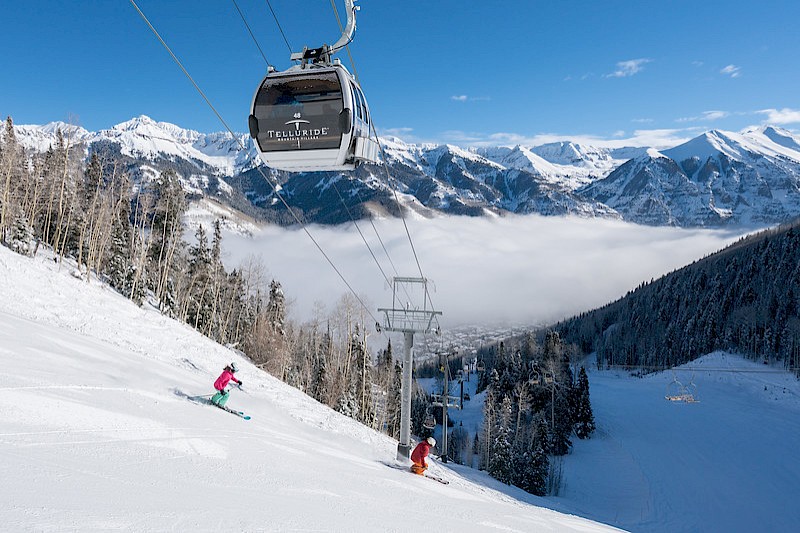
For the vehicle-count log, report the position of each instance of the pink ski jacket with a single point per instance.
(225, 378)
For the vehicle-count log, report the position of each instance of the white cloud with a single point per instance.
(485, 271)
(732, 70)
(462, 137)
(781, 116)
(628, 68)
(465, 98)
(397, 131)
(706, 116)
(715, 115)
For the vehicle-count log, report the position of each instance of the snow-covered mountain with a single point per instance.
(144, 139)
(749, 178)
(565, 162)
(718, 178)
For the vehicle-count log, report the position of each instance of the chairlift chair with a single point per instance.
(674, 390)
(678, 392)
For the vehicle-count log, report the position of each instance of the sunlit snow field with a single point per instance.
(96, 434)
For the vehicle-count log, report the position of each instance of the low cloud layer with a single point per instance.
(515, 270)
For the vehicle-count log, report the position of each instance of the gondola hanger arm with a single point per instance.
(323, 54)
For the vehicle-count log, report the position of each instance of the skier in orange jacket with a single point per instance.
(420, 453)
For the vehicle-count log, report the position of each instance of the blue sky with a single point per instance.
(463, 72)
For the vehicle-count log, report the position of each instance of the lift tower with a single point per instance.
(415, 316)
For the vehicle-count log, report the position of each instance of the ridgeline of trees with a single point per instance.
(87, 209)
(743, 299)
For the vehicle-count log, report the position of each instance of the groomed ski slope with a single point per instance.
(96, 434)
(726, 464)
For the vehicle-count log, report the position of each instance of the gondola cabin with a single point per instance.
(312, 117)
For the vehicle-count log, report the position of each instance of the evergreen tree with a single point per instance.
(276, 309)
(21, 236)
(199, 298)
(393, 402)
(119, 256)
(535, 465)
(319, 377)
(421, 410)
(501, 465)
(584, 418)
(457, 444)
(561, 417)
(361, 376)
(348, 402)
(476, 450)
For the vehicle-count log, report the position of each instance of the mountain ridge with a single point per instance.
(718, 178)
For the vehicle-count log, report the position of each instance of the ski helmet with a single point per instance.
(234, 367)
(431, 441)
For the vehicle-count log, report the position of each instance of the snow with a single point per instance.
(654, 154)
(726, 463)
(767, 141)
(97, 433)
(145, 137)
(206, 211)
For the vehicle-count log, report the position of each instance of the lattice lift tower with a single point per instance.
(415, 316)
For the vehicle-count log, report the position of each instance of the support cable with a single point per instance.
(349, 214)
(269, 4)
(244, 149)
(250, 32)
(386, 166)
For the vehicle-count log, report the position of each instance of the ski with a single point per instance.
(437, 478)
(405, 468)
(204, 400)
(240, 414)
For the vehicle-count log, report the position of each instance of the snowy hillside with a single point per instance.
(727, 463)
(97, 434)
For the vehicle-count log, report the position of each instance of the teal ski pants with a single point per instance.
(220, 398)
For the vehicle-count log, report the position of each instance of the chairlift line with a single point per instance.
(313, 116)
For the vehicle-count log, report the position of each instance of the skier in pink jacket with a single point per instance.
(221, 397)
